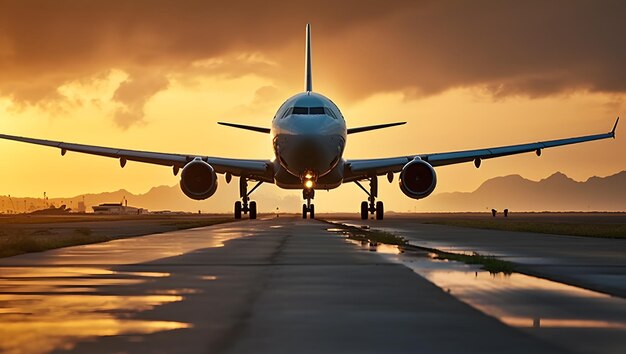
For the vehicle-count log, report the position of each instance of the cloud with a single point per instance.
(530, 48)
(133, 93)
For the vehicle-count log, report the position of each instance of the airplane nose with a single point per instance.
(308, 147)
(300, 154)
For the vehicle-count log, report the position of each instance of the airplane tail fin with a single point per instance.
(308, 79)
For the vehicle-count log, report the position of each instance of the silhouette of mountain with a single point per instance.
(557, 192)
(159, 198)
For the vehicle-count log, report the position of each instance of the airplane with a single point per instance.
(309, 137)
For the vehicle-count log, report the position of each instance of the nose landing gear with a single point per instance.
(246, 206)
(309, 208)
(371, 205)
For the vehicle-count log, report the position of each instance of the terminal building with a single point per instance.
(118, 209)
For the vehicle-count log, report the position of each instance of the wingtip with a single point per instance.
(614, 127)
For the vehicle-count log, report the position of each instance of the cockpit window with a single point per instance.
(329, 112)
(300, 110)
(309, 110)
(288, 111)
(316, 110)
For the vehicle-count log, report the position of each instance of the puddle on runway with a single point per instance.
(53, 300)
(130, 250)
(47, 308)
(577, 319)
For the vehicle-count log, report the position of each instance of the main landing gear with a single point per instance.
(245, 205)
(371, 206)
(309, 208)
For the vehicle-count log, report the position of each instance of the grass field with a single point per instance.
(589, 224)
(557, 228)
(22, 234)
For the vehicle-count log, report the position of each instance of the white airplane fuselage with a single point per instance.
(309, 137)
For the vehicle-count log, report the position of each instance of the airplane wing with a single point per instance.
(361, 169)
(246, 127)
(373, 127)
(255, 169)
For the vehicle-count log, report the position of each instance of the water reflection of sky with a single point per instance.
(53, 300)
(579, 319)
(42, 309)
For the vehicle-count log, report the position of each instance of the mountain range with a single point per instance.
(554, 193)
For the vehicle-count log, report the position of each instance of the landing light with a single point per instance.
(308, 176)
(308, 184)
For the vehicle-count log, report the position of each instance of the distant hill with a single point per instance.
(555, 193)
(157, 198)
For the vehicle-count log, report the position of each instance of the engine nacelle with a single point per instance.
(198, 180)
(418, 179)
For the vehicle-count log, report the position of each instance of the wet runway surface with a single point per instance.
(589, 262)
(579, 320)
(272, 286)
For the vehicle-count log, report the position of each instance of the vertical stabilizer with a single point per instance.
(308, 79)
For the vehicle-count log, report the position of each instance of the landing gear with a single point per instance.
(246, 206)
(252, 210)
(371, 205)
(380, 210)
(237, 210)
(364, 210)
(309, 208)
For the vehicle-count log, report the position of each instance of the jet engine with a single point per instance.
(418, 179)
(198, 180)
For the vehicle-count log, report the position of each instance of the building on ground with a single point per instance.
(118, 209)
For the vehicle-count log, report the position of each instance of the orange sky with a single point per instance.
(158, 76)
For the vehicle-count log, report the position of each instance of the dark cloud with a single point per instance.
(531, 48)
(133, 93)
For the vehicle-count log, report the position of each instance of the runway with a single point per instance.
(594, 263)
(281, 285)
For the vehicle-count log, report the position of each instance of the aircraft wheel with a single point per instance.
(364, 210)
(380, 210)
(312, 212)
(304, 211)
(252, 210)
(237, 210)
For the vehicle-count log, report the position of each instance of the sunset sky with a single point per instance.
(158, 75)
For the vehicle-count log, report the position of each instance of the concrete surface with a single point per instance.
(594, 263)
(276, 286)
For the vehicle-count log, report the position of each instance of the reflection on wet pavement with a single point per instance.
(44, 307)
(580, 319)
(128, 251)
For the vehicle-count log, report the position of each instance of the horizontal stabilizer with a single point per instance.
(373, 127)
(246, 127)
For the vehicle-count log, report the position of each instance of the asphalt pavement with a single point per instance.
(590, 262)
(281, 285)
